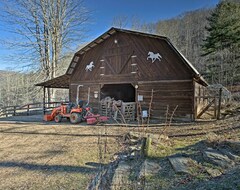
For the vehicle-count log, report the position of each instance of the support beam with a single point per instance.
(44, 99)
(219, 103)
(205, 109)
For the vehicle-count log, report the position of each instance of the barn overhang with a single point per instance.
(199, 79)
(58, 82)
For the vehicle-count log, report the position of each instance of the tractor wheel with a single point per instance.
(58, 118)
(75, 118)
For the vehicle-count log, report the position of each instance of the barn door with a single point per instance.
(124, 92)
(117, 61)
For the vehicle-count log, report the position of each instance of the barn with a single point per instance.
(142, 70)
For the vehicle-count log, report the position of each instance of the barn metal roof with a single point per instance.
(61, 82)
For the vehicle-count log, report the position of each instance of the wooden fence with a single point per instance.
(28, 109)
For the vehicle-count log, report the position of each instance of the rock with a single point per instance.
(135, 148)
(213, 172)
(180, 164)
(149, 168)
(230, 155)
(133, 154)
(121, 175)
(235, 145)
(163, 137)
(217, 158)
(134, 135)
(133, 141)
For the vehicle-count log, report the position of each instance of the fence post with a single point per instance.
(5, 111)
(215, 107)
(14, 110)
(195, 108)
(44, 94)
(219, 103)
(28, 109)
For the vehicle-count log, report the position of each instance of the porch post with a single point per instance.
(219, 103)
(44, 99)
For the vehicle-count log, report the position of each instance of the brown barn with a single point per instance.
(133, 67)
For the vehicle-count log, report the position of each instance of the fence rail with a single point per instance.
(28, 109)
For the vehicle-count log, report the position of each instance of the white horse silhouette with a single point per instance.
(90, 66)
(154, 56)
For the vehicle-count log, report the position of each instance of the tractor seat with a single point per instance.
(80, 103)
(70, 106)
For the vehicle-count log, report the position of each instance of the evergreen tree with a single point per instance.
(222, 43)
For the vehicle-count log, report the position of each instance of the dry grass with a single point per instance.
(50, 156)
(38, 156)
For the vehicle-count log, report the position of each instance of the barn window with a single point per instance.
(124, 92)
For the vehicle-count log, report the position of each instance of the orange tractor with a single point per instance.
(75, 114)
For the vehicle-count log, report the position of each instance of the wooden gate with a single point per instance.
(210, 105)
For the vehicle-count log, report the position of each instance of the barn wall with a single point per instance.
(83, 94)
(113, 62)
(166, 96)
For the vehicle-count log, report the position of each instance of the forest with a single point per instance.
(209, 38)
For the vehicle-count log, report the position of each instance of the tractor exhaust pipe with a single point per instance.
(77, 98)
(88, 96)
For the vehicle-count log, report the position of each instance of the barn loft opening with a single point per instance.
(124, 92)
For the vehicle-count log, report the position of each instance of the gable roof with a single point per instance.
(197, 77)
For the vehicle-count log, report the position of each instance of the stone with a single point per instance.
(135, 148)
(180, 164)
(230, 155)
(134, 135)
(235, 145)
(217, 158)
(149, 168)
(163, 137)
(213, 172)
(121, 174)
(133, 141)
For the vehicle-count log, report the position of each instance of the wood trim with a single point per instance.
(163, 81)
(126, 82)
(102, 83)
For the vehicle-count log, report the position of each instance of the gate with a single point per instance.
(210, 105)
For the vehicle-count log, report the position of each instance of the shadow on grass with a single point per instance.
(57, 134)
(95, 164)
(48, 168)
(13, 128)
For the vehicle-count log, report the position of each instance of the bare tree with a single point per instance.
(120, 21)
(45, 29)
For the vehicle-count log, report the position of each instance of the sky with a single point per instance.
(146, 10)
(103, 12)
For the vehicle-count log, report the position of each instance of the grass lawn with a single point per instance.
(35, 156)
(64, 156)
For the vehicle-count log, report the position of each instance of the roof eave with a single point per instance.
(58, 82)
